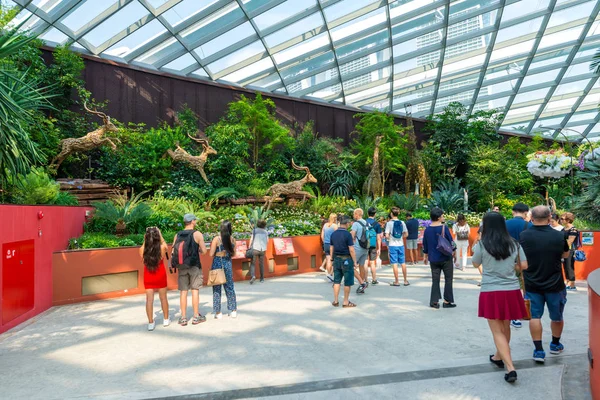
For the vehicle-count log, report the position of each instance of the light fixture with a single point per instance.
(408, 108)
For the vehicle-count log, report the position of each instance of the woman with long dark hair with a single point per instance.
(153, 252)
(500, 300)
(222, 248)
(572, 237)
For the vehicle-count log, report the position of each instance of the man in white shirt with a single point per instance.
(395, 232)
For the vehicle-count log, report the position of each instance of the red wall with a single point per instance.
(594, 299)
(57, 227)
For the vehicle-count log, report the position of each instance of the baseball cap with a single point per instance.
(187, 218)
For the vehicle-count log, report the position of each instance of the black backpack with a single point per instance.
(185, 250)
(362, 240)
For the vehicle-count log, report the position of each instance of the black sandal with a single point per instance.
(511, 377)
(499, 363)
(335, 303)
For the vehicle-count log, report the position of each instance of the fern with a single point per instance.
(35, 188)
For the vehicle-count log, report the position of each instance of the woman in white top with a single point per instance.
(555, 222)
(328, 228)
(461, 232)
(259, 240)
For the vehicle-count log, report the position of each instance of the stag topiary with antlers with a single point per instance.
(294, 187)
(85, 143)
(196, 162)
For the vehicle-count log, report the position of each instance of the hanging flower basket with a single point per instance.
(549, 164)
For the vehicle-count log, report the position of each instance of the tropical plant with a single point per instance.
(21, 96)
(342, 178)
(408, 202)
(258, 213)
(66, 199)
(587, 205)
(126, 213)
(34, 188)
(364, 203)
(449, 196)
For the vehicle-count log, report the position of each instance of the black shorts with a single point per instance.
(372, 253)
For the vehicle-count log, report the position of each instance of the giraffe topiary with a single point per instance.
(373, 184)
(416, 174)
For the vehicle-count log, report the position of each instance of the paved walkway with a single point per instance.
(288, 342)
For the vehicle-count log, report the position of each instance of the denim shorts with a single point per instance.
(327, 249)
(554, 301)
(343, 268)
(412, 244)
(396, 254)
(372, 253)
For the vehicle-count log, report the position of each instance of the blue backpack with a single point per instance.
(371, 235)
(397, 230)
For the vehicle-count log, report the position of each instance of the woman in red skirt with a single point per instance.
(500, 300)
(153, 251)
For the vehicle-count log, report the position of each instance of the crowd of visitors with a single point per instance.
(521, 261)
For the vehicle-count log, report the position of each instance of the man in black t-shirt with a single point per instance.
(544, 285)
(344, 262)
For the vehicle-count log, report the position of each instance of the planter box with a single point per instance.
(86, 275)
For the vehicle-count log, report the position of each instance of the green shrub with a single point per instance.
(132, 213)
(66, 199)
(34, 188)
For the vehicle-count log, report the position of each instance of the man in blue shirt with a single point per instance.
(517, 224)
(412, 226)
(374, 252)
(344, 262)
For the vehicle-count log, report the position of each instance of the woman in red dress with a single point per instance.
(153, 252)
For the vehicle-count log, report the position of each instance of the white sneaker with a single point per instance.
(219, 316)
(323, 269)
(151, 326)
(166, 322)
(233, 314)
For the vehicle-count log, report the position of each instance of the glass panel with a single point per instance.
(181, 63)
(364, 62)
(313, 80)
(250, 70)
(367, 78)
(583, 117)
(156, 3)
(415, 24)
(522, 113)
(158, 53)
(54, 35)
(463, 64)
(345, 7)
(470, 45)
(426, 40)
(578, 69)
(573, 87)
(282, 12)
(559, 105)
(307, 24)
(515, 10)
(85, 12)
(237, 56)
(309, 64)
(463, 98)
(359, 24)
(518, 30)
(453, 84)
(512, 51)
(137, 39)
(208, 25)
(269, 81)
(498, 104)
(46, 6)
(200, 72)
(330, 92)
(551, 58)
(185, 10)
(534, 79)
(302, 48)
(402, 7)
(227, 39)
(365, 94)
(416, 78)
(591, 99)
(373, 40)
(472, 24)
(121, 20)
(533, 95)
(571, 14)
(560, 37)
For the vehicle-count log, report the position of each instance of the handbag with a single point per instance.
(579, 255)
(216, 277)
(250, 251)
(443, 245)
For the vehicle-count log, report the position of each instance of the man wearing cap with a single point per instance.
(190, 276)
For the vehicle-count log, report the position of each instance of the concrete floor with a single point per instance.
(288, 342)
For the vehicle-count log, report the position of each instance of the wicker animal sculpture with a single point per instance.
(86, 143)
(373, 185)
(196, 162)
(294, 187)
(416, 174)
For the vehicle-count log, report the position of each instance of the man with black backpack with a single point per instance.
(361, 247)
(395, 231)
(374, 232)
(187, 247)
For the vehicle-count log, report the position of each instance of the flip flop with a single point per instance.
(335, 304)
(498, 363)
(349, 305)
(394, 284)
(407, 284)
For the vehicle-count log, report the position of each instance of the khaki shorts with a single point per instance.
(189, 278)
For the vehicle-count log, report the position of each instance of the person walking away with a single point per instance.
(221, 248)
(555, 222)
(395, 232)
(361, 247)
(412, 245)
(344, 262)
(328, 228)
(438, 261)
(259, 240)
(374, 233)
(573, 240)
(517, 224)
(461, 232)
(544, 285)
(153, 252)
(500, 299)
(187, 247)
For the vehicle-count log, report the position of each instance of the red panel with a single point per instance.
(18, 283)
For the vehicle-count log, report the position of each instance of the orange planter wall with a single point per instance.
(70, 267)
(594, 335)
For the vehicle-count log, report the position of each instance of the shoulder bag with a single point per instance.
(250, 251)
(216, 276)
(443, 245)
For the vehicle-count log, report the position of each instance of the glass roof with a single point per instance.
(529, 58)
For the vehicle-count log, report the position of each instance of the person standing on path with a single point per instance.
(412, 240)
(153, 252)
(517, 224)
(328, 228)
(438, 261)
(395, 232)
(572, 235)
(544, 285)
(461, 232)
(374, 251)
(259, 240)
(344, 262)
(221, 248)
(500, 299)
(555, 222)
(361, 247)
(187, 247)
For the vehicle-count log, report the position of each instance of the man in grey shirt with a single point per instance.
(358, 228)
(259, 240)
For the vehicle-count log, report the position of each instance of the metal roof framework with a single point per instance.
(528, 58)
